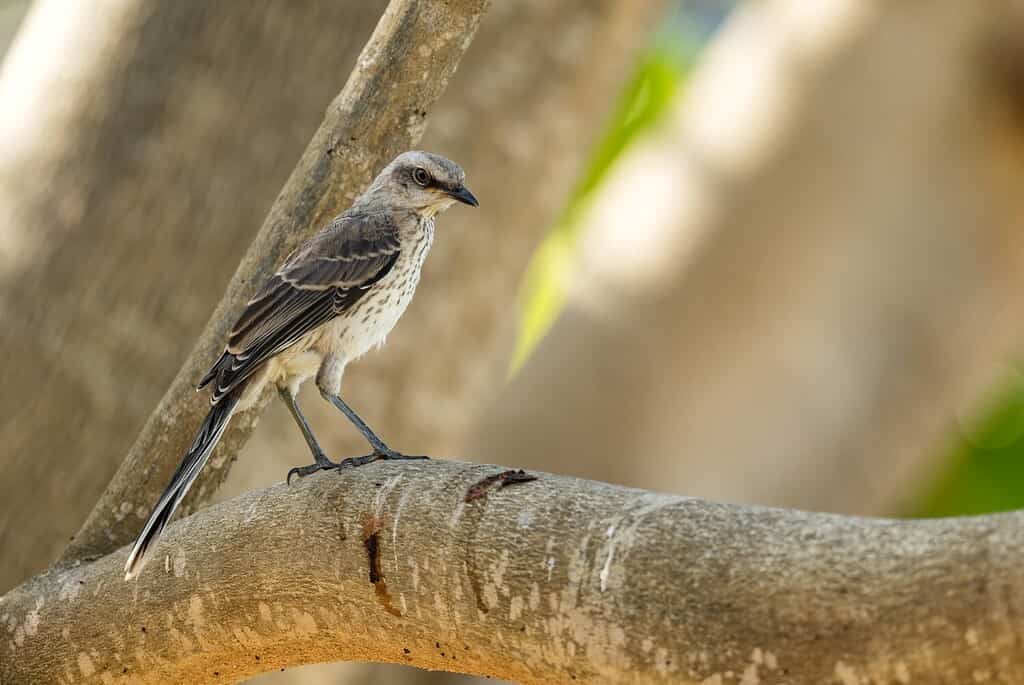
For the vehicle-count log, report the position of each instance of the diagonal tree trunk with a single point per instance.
(401, 71)
(143, 143)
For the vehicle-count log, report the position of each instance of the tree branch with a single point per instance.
(539, 582)
(381, 111)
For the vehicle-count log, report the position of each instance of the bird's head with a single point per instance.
(421, 182)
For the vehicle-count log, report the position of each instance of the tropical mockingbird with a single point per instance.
(334, 298)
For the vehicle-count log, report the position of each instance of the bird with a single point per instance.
(334, 298)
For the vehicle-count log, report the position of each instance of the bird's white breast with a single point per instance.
(370, 320)
(355, 332)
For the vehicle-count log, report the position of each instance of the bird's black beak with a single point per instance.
(462, 194)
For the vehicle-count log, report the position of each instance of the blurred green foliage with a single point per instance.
(656, 82)
(985, 471)
(985, 460)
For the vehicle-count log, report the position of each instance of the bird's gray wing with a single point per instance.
(322, 279)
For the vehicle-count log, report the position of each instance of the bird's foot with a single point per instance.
(321, 463)
(385, 454)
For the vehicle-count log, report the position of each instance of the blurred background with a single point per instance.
(766, 252)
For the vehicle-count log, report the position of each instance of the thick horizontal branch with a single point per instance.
(538, 582)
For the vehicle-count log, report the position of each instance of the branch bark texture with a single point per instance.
(549, 581)
(381, 112)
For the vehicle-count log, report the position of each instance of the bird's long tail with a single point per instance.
(206, 439)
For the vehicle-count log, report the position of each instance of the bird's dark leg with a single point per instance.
(320, 460)
(380, 449)
(375, 442)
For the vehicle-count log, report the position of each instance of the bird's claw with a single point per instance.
(386, 454)
(325, 464)
(322, 463)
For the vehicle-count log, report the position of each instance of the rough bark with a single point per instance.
(143, 143)
(555, 580)
(381, 111)
(819, 277)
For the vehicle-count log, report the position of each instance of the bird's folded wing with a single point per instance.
(322, 279)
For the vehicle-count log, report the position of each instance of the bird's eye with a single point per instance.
(420, 175)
